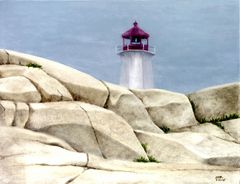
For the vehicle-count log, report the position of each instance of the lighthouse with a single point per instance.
(136, 55)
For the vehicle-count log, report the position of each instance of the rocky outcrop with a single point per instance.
(59, 125)
(38, 155)
(167, 150)
(115, 137)
(233, 128)
(167, 109)
(210, 129)
(20, 147)
(30, 157)
(18, 89)
(216, 102)
(50, 88)
(64, 120)
(126, 104)
(82, 86)
(187, 147)
(87, 128)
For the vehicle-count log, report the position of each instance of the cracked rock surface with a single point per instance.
(62, 126)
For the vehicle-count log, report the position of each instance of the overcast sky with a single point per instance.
(197, 41)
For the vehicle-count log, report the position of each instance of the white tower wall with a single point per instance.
(136, 69)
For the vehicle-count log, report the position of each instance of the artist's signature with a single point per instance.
(219, 178)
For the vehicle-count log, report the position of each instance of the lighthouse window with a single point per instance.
(135, 41)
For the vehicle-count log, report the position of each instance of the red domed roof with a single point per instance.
(135, 31)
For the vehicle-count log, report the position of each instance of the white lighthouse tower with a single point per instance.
(136, 55)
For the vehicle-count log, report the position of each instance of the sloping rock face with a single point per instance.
(82, 86)
(210, 129)
(29, 157)
(124, 103)
(84, 127)
(18, 89)
(216, 102)
(59, 125)
(65, 120)
(116, 138)
(166, 149)
(188, 147)
(167, 109)
(233, 128)
(50, 88)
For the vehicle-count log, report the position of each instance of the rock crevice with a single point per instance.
(68, 127)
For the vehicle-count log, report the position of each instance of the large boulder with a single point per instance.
(188, 147)
(210, 129)
(233, 128)
(126, 104)
(7, 113)
(165, 149)
(21, 148)
(82, 86)
(115, 136)
(18, 89)
(86, 128)
(65, 120)
(216, 102)
(167, 109)
(21, 143)
(50, 88)
(76, 142)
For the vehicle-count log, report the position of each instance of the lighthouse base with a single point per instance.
(136, 69)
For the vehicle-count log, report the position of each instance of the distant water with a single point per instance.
(197, 41)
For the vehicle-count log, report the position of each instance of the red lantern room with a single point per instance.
(135, 39)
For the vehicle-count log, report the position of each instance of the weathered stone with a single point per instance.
(50, 88)
(12, 70)
(82, 86)
(167, 109)
(66, 120)
(3, 57)
(18, 89)
(76, 175)
(22, 114)
(206, 145)
(233, 128)
(8, 134)
(7, 113)
(163, 176)
(210, 129)
(70, 122)
(30, 157)
(38, 174)
(228, 161)
(122, 165)
(187, 147)
(165, 149)
(216, 102)
(126, 104)
(115, 137)
(23, 147)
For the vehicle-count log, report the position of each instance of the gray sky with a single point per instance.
(197, 41)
